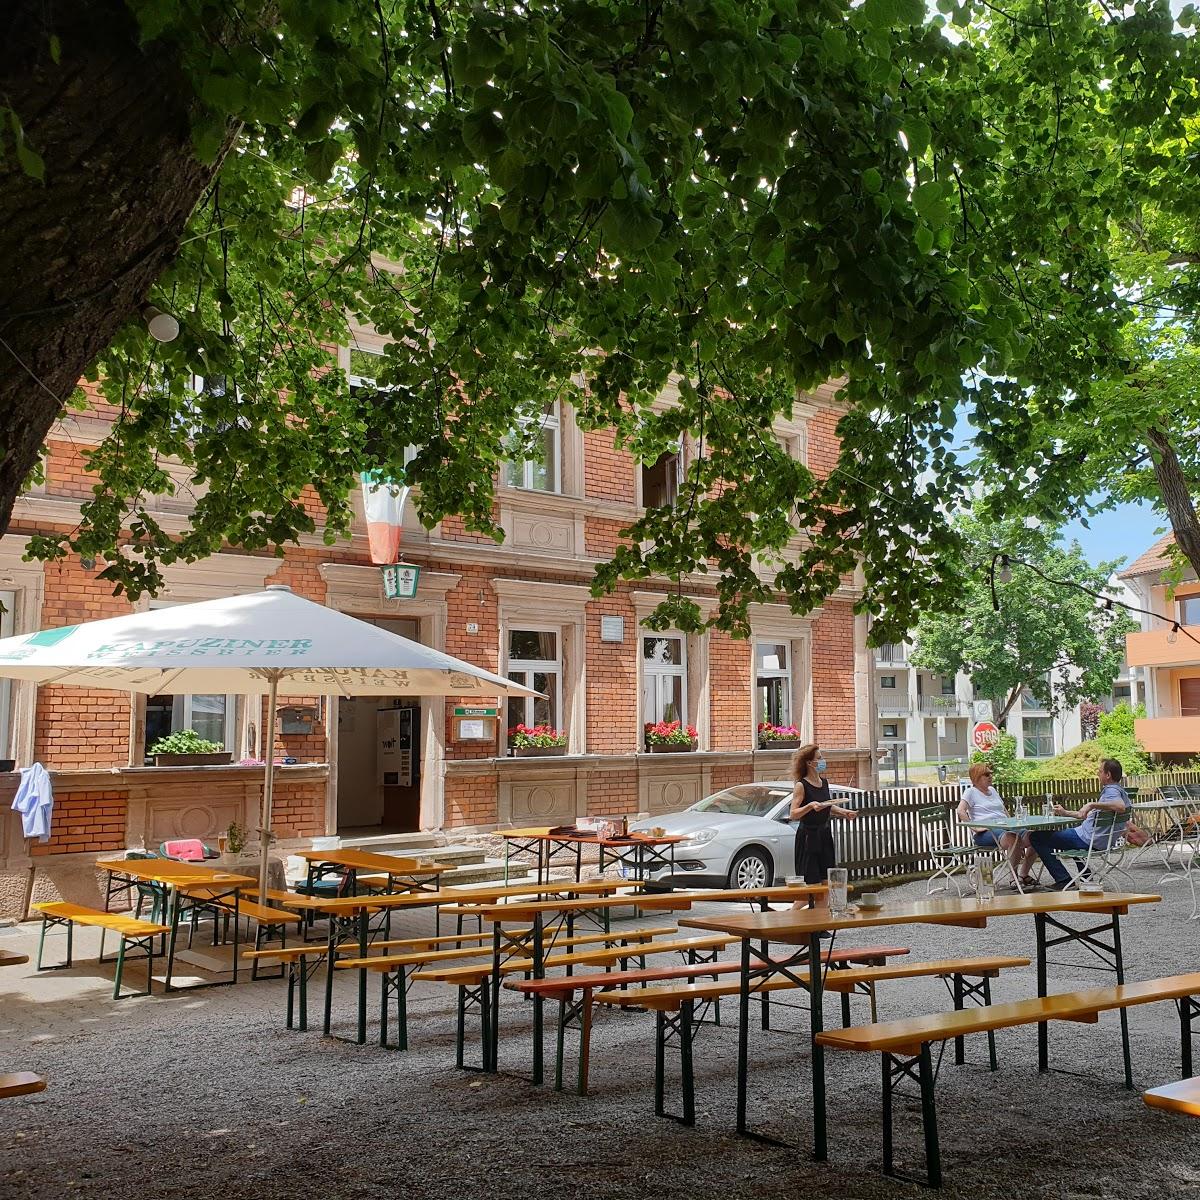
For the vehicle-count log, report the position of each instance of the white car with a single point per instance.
(740, 837)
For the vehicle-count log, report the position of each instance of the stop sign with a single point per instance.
(984, 736)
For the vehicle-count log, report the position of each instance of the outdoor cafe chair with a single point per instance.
(948, 856)
(1096, 862)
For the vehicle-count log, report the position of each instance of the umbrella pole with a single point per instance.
(268, 740)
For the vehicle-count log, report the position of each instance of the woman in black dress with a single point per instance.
(814, 808)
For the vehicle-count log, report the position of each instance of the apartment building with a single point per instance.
(1165, 655)
(522, 608)
(928, 717)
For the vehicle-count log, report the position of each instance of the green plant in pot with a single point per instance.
(185, 747)
(235, 837)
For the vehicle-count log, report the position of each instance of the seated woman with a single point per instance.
(981, 802)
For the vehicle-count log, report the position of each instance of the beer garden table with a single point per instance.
(531, 941)
(635, 852)
(402, 871)
(1031, 823)
(802, 929)
(170, 879)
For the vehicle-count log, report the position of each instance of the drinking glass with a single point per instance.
(839, 889)
(985, 886)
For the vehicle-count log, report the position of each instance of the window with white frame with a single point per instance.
(887, 682)
(947, 685)
(535, 660)
(213, 717)
(773, 682)
(664, 678)
(542, 472)
(891, 730)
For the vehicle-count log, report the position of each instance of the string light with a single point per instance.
(1002, 561)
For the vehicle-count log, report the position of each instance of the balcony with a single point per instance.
(944, 706)
(1154, 648)
(1169, 735)
(893, 654)
(892, 702)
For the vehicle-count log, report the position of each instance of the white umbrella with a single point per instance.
(271, 642)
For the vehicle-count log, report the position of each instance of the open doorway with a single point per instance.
(379, 757)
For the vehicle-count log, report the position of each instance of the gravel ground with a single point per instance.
(207, 1095)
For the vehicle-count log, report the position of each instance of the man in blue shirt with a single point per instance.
(1113, 798)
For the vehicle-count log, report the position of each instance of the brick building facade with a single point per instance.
(489, 603)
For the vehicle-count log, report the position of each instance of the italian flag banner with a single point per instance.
(383, 501)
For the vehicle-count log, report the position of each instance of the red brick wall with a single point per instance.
(823, 442)
(611, 793)
(730, 776)
(91, 821)
(80, 727)
(473, 600)
(471, 801)
(602, 537)
(608, 472)
(66, 471)
(729, 662)
(298, 809)
(612, 680)
(834, 721)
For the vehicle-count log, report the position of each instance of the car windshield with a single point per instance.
(748, 800)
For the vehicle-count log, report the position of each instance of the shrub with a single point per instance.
(1006, 766)
(1114, 739)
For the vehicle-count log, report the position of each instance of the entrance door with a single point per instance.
(379, 757)
(1189, 697)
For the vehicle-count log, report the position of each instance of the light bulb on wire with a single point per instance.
(162, 326)
(1173, 636)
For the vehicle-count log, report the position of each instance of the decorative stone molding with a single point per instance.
(216, 576)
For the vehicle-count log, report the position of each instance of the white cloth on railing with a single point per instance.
(35, 802)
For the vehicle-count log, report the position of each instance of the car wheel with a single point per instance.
(751, 869)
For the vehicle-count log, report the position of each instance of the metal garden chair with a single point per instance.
(948, 856)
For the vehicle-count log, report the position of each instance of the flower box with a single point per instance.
(671, 747)
(218, 758)
(780, 743)
(537, 751)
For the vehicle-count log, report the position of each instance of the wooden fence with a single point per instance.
(888, 838)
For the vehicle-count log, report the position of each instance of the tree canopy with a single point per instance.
(577, 200)
(1030, 633)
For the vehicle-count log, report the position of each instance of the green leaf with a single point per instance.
(620, 112)
(872, 180)
(629, 227)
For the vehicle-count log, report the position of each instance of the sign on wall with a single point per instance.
(400, 581)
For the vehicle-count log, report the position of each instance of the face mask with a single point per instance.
(820, 765)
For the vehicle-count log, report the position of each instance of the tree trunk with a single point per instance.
(1013, 697)
(111, 121)
(1177, 497)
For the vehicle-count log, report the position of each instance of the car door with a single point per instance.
(780, 834)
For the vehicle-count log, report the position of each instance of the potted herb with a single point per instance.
(670, 737)
(186, 748)
(778, 737)
(536, 741)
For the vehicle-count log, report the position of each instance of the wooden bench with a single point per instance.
(130, 930)
(1182, 1097)
(269, 922)
(574, 993)
(10, 958)
(21, 1083)
(675, 1006)
(475, 981)
(905, 1044)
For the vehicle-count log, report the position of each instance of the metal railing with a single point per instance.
(944, 706)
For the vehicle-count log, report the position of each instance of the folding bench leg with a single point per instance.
(685, 1062)
(1189, 1007)
(291, 994)
(933, 1158)
(47, 921)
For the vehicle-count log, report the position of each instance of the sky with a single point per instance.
(1123, 533)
